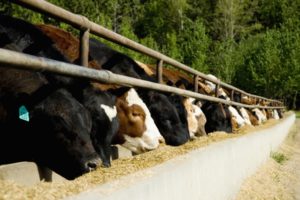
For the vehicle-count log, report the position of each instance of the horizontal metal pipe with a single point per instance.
(10, 58)
(82, 22)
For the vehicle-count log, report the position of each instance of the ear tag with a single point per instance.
(23, 113)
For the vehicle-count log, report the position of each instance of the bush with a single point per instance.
(278, 157)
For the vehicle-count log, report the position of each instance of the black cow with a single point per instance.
(115, 62)
(24, 37)
(218, 117)
(21, 36)
(55, 134)
(169, 115)
(105, 124)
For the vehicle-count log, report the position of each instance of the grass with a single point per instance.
(278, 157)
(297, 114)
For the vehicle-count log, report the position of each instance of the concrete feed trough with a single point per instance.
(210, 167)
(214, 172)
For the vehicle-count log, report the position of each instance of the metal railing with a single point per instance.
(86, 27)
(14, 59)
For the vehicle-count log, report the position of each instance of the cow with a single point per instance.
(195, 117)
(53, 132)
(259, 115)
(276, 114)
(218, 117)
(105, 123)
(253, 119)
(137, 131)
(280, 113)
(24, 37)
(237, 121)
(272, 114)
(103, 57)
(21, 36)
(120, 117)
(243, 112)
(169, 115)
(236, 118)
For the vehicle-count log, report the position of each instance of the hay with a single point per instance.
(274, 180)
(120, 167)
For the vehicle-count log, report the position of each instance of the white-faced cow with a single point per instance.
(137, 130)
(259, 115)
(195, 117)
(245, 115)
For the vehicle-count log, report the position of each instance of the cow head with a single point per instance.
(275, 114)
(61, 127)
(101, 105)
(137, 131)
(169, 115)
(236, 118)
(218, 117)
(245, 115)
(259, 115)
(253, 119)
(195, 117)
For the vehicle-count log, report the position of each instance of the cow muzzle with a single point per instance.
(92, 164)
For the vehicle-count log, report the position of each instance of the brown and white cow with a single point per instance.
(195, 117)
(260, 115)
(245, 115)
(137, 130)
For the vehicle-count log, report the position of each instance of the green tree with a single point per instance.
(234, 19)
(193, 43)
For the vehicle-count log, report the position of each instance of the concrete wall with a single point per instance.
(211, 173)
(24, 173)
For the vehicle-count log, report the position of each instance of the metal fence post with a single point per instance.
(84, 47)
(196, 79)
(159, 71)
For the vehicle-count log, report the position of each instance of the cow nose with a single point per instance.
(92, 164)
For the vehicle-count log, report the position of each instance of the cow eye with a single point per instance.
(136, 114)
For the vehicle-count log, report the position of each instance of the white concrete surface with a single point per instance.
(211, 173)
(25, 173)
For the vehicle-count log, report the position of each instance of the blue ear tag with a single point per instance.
(23, 113)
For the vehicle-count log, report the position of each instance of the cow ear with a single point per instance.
(121, 105)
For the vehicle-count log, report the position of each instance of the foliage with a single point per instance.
(298, 114)
(278, 157)
(252, 44)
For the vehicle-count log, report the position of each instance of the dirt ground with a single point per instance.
(279, 177)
